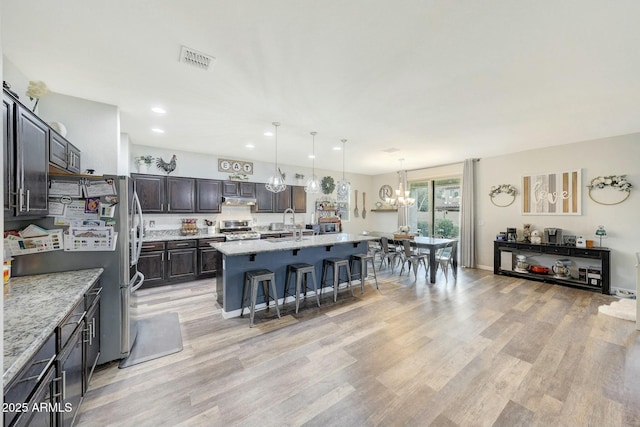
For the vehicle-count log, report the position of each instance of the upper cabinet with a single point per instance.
(63, 154)
(151, 192)
(181, 194)
(238, 189)
(26, 153)
(264, 200)
(293, 197)
(208, 193)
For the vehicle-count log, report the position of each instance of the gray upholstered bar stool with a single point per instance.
(335, 264)
(252, 280)
(363, 271)
(301, 271)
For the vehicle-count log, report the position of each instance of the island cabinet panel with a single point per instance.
(151, 192)
(208, 193)
(264, 200)
(238, 189)
(181, 195)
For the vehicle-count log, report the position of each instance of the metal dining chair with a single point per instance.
(388, 254)
(413, 259)
(444, 259)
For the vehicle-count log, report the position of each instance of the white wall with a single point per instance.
(93, 127)
(18, 81)
(608, 156)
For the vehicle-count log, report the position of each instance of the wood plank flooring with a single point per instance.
(484, 350)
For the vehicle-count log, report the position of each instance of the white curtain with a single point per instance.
(467, 215)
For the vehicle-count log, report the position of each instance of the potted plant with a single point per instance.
(144, 163)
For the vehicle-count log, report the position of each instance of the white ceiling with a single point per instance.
(440, 81)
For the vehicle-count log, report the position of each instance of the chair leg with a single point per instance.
(254, 296)
(275, 296)
(373, 267)
(363, 266)
(245, 294)
(298, 289)
(315, 286)
(336, 278)
(349, 278)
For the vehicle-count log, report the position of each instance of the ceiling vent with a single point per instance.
(391, 150)
(197, 59)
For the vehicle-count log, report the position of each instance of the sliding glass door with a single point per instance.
(437, 208)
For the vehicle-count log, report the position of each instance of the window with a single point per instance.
(437, 208)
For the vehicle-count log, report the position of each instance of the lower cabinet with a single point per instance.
(208, 257)
(181, 260)
(92, 343)
(70, 367)
(152, 263)
(45, 399)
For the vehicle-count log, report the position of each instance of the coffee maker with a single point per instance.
(553, 236)
(512, 235)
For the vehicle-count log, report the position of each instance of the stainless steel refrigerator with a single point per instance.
(120, 279)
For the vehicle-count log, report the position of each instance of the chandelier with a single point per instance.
(402, 196)
(343, 184)
(313, 186)
(276, 183)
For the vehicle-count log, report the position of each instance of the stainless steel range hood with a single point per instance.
(238, 201)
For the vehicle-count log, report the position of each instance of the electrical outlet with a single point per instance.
(152, 223)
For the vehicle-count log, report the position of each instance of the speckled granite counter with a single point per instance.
(34, 308)
(165, 235)
(244, 247)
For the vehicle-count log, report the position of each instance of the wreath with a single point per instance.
(503, 189)
(618, 182)
(328, 185)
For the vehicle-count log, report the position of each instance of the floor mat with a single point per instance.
(157, 336)
(623, 309)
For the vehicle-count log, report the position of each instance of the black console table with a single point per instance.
(529, 249)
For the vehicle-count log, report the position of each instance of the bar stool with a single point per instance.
(363, 273)
(300, 270)
(253, 278)
(335, 264)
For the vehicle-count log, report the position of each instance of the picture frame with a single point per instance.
(556, 193)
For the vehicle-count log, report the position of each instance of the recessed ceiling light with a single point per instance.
(250, 145)
(311, 156)
(337, 148)
(159, 110)
(268, 133)
(157, 130)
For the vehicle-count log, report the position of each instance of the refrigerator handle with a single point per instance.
(136, 237)
(134, 286)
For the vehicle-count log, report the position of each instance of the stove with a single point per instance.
(238, 230)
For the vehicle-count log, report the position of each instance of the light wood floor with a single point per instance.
(487, 350)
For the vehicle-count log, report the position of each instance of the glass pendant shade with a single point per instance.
(276, 183)
(342, 186)
(402, 196)
(313, 185)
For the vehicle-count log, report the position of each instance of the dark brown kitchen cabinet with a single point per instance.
(208, 192)
(282, 200)
(264, 200)
(208, 257)
(299, 197)
(26, 140)
(152, 263)
(8, 110)
(71, 370)
(238, 189)
(92, 333)
(181, 194)
(181, 260)
(63, 154)
(151, 192)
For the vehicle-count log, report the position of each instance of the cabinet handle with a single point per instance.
(20, 199)
(79, 320)
(169, 256)
(168, 207)
(64, 385)
(183, 244)
(96, 292)
(93, 327)
(87, 332)
(28, 197)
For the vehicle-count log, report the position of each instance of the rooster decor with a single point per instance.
(166, 167)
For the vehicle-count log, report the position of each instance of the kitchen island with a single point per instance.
(275, 254)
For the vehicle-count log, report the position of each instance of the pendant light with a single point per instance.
(402, 196)
(276, 183)
(313, 186)
(343, 185)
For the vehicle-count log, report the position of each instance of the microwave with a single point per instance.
(329, 227)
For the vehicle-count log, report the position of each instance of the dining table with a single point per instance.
(431, 243)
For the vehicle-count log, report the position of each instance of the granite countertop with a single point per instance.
(33, 309)
(166, 235)
(245, 247)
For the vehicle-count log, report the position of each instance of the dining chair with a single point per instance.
(388, 254)
(413, 259)
(444, 259)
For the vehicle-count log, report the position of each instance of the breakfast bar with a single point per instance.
(275, 254)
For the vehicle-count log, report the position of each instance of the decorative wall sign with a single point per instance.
(235, 166)
(509, 197)
(552, 193)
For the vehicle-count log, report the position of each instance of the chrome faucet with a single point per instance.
(297, 233)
